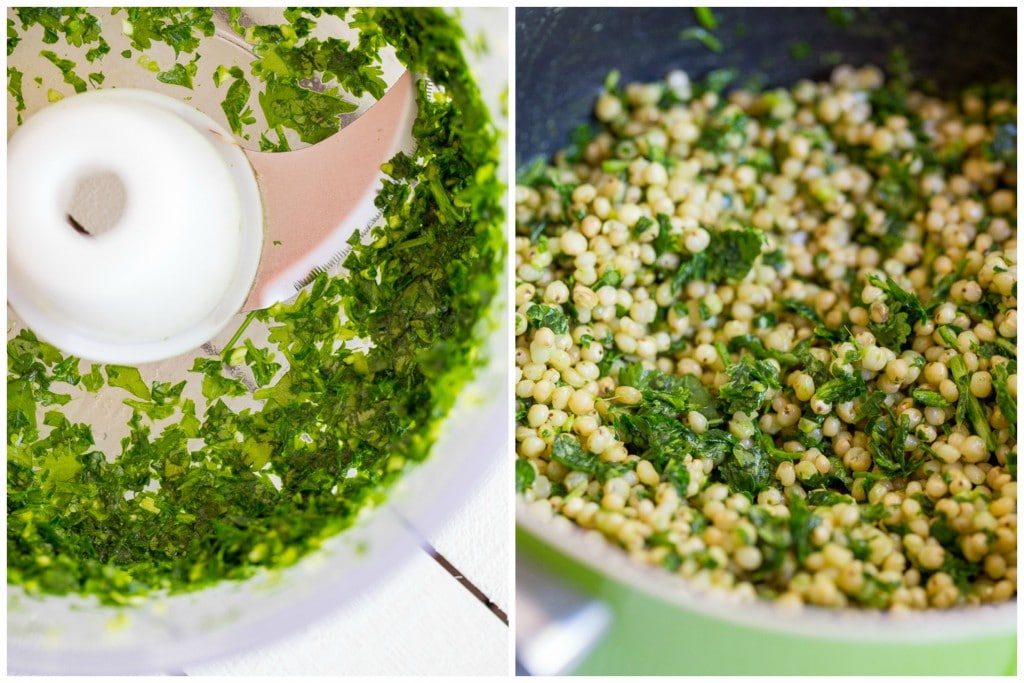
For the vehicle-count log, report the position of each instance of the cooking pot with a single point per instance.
(582, 605)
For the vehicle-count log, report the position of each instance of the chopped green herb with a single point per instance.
(747, 470)
(841, 16)
(14, 89)
(236, 102)
(127, 378)
(1005, 399)
(179, 74)
(706, 17)
(800, 50)
(968, 407)
(751, 383)
(930, 398)
(547, 315)
(525, 474)
(702, 36)
(905, 309)
(566, 450)
(67, 69)
(76, 26)
(610, 277)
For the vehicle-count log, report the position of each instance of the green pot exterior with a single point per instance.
(652, 637)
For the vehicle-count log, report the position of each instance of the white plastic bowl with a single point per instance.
(72, 635)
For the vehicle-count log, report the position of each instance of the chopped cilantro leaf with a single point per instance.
(702, 36)
(67, 69)
(179, 74)
(706, 17)
(548, 315)
(525, 474)
(748, 470)
(751, 383)
(1006, 400)
(968, 407)
(566, 450)
(127, 378)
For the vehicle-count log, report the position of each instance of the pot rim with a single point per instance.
(924, 627)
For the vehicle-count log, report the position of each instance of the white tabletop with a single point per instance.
(421, 620)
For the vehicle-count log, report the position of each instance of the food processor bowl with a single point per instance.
(163, 633)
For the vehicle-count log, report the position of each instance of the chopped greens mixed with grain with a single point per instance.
(767, 340)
